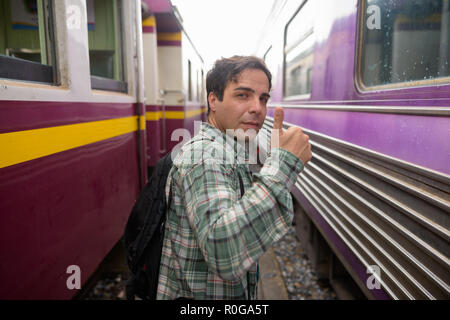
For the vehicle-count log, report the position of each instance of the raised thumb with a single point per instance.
(278, 118)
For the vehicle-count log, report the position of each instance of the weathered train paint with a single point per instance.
(28, 115)
(394, 135)
(67, 208)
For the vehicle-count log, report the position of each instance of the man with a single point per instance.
(213, 236)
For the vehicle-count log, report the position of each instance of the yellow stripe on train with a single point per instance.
(193, 113)
(28, 145)
(149, 22)
(173, 115)
(169, 36)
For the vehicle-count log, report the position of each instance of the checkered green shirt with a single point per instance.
(213, 237)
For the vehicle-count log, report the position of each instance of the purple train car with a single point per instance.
(369, 82)
(78, 131)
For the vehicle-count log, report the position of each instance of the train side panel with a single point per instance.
(72, 167)
(377, 188)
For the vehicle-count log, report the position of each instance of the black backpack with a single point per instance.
(144, 234)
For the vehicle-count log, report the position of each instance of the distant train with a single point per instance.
(369, 82)
(89, 97)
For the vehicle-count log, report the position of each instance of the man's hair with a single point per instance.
(227, 70)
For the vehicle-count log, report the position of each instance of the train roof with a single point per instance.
(169, 19)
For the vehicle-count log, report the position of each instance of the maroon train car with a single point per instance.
(174, 79)
(76, 117)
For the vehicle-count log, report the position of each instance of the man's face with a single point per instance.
(244, 102)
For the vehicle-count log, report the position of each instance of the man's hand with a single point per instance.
(292, 140)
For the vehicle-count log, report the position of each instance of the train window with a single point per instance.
(189, 80)
(26, 50)
(404, 43)
(298, 52)
(270, 60)
(197, 96)
(105, 44)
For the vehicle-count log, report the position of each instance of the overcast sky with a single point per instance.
(223, 27)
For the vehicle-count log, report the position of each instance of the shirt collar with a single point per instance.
(232, 146)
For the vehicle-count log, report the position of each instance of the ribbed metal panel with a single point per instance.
(389, 213)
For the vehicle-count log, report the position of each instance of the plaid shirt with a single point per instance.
(213, 237)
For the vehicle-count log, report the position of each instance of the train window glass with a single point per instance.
(105, 44)
(298, 48)
(404, 42)
(26, 50)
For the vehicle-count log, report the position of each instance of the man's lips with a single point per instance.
(252, 124)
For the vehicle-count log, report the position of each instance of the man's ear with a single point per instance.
(212, 99)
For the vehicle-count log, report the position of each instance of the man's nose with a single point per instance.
(256, 106)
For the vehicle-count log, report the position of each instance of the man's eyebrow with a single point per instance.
(244, 88)
(251, 90)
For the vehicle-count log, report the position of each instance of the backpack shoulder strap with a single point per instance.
(241, 185)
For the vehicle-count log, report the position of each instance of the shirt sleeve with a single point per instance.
(233, 233)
